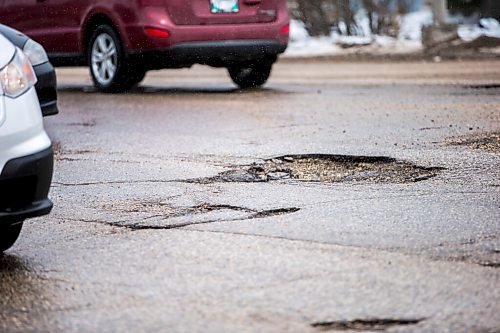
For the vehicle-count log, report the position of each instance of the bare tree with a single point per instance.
(382, 15)
(346, 14)
(314, 17)
(370, 12)
(320, 16)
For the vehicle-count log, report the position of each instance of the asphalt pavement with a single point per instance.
(342, 196)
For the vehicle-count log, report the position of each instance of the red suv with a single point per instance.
(122, 39)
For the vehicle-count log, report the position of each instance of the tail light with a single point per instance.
(285, 30)
(157, 33)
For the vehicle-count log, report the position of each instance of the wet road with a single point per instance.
(190, 206)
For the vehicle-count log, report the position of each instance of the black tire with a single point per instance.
(108, 64)
(136, 76)
(250, 75)
(9, 234)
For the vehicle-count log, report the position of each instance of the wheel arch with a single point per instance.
(92, 22)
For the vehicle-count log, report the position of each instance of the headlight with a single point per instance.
(17, 77)
(35, 53)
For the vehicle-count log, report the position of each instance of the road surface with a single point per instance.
(342, 196)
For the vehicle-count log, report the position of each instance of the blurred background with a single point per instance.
(335, 27)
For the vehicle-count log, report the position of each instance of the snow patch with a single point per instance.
(412, 24)
(486, 27)
(298, 32)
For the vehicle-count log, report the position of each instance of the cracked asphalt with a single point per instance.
(135, 245)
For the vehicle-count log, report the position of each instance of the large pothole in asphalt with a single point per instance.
(326, 168)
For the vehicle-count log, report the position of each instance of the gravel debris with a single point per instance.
(489, 141)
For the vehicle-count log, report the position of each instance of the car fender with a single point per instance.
(112, 12)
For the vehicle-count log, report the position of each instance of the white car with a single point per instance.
(26, 157)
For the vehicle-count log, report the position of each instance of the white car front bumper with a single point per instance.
(21, 130)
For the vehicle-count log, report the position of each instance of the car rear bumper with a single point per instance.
(24, 187)
(46, 88)
(214, 53)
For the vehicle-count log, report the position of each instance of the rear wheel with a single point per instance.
(108, 64)
(136, 75)
(9, 234)
(250, 75)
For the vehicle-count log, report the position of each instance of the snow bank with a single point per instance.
(408, 41)
(412, 24)
(301, 44)
(486, 27)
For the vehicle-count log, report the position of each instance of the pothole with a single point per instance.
(137, 206)
(159, 215)
(62, 154)
(327, 169)
(364, 324)
(484, 86)
(489, 141)
(490, 264)
(90, 123)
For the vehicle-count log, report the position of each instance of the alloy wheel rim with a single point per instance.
(104, 59)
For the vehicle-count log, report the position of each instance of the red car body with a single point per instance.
(153, 34)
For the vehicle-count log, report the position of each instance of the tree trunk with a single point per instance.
(439, 11)
(345, 8)
(314, 17)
